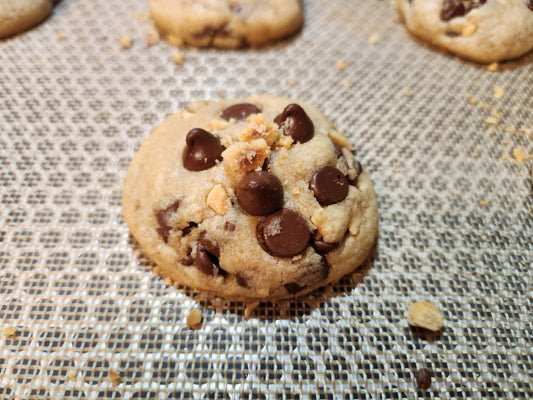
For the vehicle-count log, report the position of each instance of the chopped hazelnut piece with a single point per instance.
(10, 331)
(246, 156)
(194, 319)
(341, 65)
(493, 67)
(218, 200)
(425, 315)
(468, 30)
(260, 127)
(178, 58)
(115, 378)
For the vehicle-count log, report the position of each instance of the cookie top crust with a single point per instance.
(226, 23)
(484, 31)
(252, 199)
(18, 15)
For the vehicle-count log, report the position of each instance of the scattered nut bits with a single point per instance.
(194, 319)
(10, 331)
(425, 315)
(126, 42)
(178, 58)
(423, 378)
(341, 65)
(218, 200)
(115, 378)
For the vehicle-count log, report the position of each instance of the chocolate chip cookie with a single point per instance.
(484, 31)
(251, 199)
(226, 23)
(18, 15)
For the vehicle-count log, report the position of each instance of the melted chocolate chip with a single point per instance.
(163, 219)
(452, 8)
(241, 280)
(530, 6)
(329, 185)
(457, 8)
(207, 254)
(423, 378)
(297, 123)
(189, 228)
(188, 259)
(260, 193)
(229, 226)
(285, 233)
(322, 246)
(240, 111)
(202, 151)
(293, 287)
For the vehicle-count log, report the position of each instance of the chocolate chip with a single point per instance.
(188, 259)
(163, 219)
(240, 111)
(423, 378)
(207, 254)
(530, 6)
(329, 185)
(452, 8)
(189, 228)
(297, 123)
(202, 151)
(457, 8)
(322, 246)
(285, 233)
(293, 287)
(229, 226)
(241, 280)
(260, 193)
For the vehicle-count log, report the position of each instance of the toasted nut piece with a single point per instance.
(425, 315)
(218, 200)
(194, 319)
(246, 156)
(260, 127)
(10, 331)
(115, 378)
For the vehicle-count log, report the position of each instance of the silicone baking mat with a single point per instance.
(447, 143)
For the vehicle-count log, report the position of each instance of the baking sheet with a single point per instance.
(448, 157)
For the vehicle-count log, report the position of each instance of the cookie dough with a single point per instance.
(252, 199)
(18, 15)
(226, 23)
(484, 31)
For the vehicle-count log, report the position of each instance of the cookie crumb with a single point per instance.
(341, 65)
(250, 308)
(493, 67)
(221, 94)
(152, 37)
(484, 203)
(423, 378)
(511, 130)
(115, 378)
(491, 121)
(178, 58)
(126, 42)
(519, 154)
(425, 315)
(140, 16)
(10, 331)
(168, 281)
(175, 41)
(373, 39)
(498, 92)
(347, 84)
(194, 319)
(292, 81)
(60, 36)
(473, 100)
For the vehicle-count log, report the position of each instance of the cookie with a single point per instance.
(484, 31)
(226, 23)
(251, 199)
(18, 15)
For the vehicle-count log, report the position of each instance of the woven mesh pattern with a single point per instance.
(455, 203)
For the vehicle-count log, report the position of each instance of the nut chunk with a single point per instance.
(246, 156)
(425, 315)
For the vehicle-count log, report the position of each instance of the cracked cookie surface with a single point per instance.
(18, 15)
(226, 23)
(484, 31)
(251, 199)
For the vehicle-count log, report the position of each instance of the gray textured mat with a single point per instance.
(456, 217)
